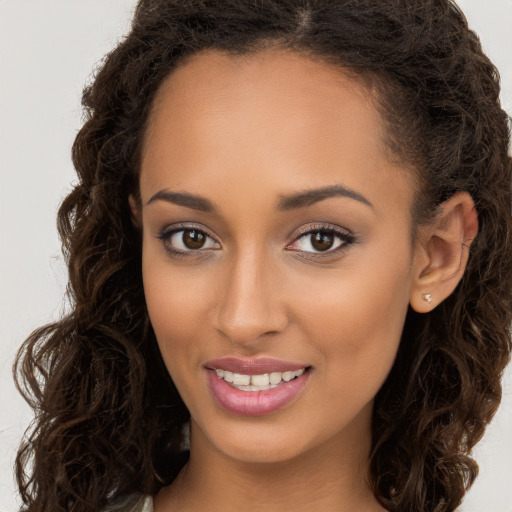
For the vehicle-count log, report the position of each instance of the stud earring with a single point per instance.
(427, 297)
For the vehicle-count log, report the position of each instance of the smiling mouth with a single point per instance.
(254, 387)
(261, 382)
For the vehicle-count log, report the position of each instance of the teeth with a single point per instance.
(287, 376)
(239, 379)
(275, 377)
(260, 382)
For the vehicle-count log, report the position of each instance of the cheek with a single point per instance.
(175, 304)
(356, 321)
(175, 313)
(351, 318)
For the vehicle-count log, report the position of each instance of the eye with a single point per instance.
(322, 239)
(180, 240)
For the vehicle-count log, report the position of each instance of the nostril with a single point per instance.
(248, 306)
(246, 334)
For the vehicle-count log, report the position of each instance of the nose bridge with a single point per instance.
(248, 304)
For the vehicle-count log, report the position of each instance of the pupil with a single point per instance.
(322, 241)
(193, 239)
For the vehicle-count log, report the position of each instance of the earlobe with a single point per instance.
(135, 210)
(442, 252)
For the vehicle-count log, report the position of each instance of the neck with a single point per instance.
(332, 477)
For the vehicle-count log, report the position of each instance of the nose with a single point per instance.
(250, 304)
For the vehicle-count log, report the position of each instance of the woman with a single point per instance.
(289, 252)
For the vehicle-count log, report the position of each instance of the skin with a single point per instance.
(242, 133)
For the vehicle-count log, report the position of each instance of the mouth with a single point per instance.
(255, 387)
(260, 382)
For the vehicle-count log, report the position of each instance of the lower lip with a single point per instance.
(254, 403)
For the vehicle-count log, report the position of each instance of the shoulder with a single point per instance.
(132, 503)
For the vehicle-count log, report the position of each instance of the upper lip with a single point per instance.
(253, 366)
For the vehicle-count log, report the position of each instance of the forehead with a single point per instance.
(262, 72)
(214, 82)
(274, 115)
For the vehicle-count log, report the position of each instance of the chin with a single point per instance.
(269, 442)
(265, 452)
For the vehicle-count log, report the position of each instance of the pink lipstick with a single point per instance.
(254, 387)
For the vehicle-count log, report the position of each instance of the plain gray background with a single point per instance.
(48, 49)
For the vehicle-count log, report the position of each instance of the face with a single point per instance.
(277, 252)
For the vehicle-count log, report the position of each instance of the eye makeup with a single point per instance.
(315, 241)
(186, 240)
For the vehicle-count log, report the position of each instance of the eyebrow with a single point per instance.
(183, 199)
(309, 197)
(289, 202)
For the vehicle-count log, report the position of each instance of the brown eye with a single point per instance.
(182, 241)
(193, 239)
(326, 240)
(322, 241)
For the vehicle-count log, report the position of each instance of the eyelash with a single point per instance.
(346, 238)
(165, 236)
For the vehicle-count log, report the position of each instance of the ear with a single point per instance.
(136, 211)
(442, 251)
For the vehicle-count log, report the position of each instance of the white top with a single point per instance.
(134, 503)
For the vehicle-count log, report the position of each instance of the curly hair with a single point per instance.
(108, 419)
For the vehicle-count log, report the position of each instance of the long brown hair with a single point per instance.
(109, 421)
